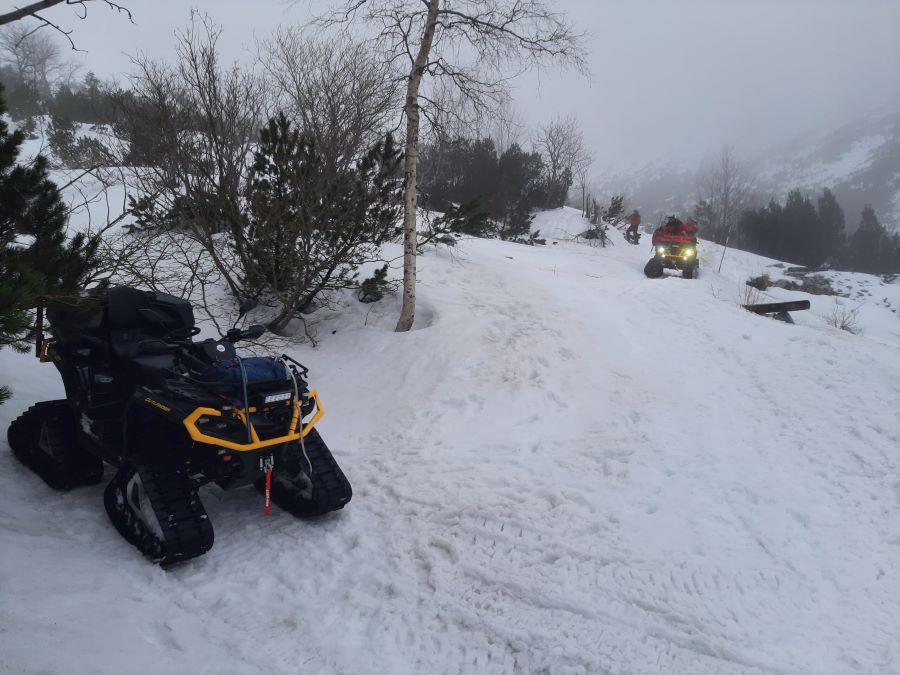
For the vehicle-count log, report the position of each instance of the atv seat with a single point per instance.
(170, 317)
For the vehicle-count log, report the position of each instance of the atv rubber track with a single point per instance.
(331, 490)
(69, 466)
(186, 529)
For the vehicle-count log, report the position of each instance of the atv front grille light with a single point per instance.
(275, 398)
(665, 251)
(191, 421)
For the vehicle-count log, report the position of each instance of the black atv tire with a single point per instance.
(303, 495)
(44, 438)
(691, 272)
(158, 511)
(653, 269)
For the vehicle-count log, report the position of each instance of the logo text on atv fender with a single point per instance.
(157, 404)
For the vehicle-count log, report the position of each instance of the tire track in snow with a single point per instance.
(508, 570)
(517, 575)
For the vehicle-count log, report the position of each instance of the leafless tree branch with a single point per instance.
(32, 11)
(335, 90)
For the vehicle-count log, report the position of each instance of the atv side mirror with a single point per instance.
(246, 306)
(253, 332)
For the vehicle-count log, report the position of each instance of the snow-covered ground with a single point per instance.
(565, 468)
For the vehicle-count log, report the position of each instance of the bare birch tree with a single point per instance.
(505, 126)
(725, 187)
(582, 176)
(431, 39)
(33, 56)
(36, 58)
(561, 144)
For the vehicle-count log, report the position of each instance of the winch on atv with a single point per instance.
(171, 415)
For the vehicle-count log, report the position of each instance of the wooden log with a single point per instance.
(776, 307)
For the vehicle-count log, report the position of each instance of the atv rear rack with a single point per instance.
(190, 423)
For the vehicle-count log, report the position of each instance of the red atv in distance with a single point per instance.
(674, 248)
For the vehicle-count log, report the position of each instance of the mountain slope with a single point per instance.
(859, 162)
(567, 466)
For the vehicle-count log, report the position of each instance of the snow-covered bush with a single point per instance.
(845, 318)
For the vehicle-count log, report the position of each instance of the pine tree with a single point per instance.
(467, 218)
(800, 230)
(309, 229)
(518, 193)
(765, 231)
(871, 248)
(616, 209)
(830, 240)
(37, 263)
(372, 288)
(707, 220)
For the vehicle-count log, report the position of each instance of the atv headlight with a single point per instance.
(660, 250)
(280, 396)
(688, 253)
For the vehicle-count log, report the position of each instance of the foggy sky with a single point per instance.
(671, 79)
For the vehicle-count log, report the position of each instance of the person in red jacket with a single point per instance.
(675, 231)
(690, 227)
(634, 221)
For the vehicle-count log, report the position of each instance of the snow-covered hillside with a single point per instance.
(565, 468)
(859, 162)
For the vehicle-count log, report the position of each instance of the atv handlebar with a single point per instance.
(165, 346)
(158, 347)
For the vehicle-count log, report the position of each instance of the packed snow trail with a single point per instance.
(567, 468)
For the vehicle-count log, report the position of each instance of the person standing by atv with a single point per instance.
(690, 228)
(634, 221)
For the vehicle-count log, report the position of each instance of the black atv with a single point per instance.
(680, 256)
(172, 414)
